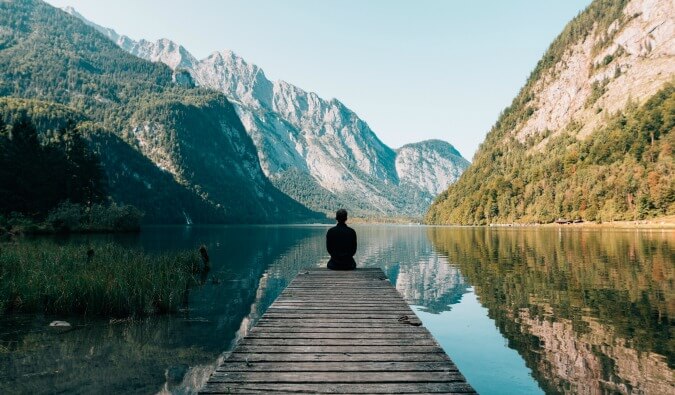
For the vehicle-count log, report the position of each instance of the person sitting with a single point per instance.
(341, 244)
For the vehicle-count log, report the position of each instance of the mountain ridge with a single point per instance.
(303, 139)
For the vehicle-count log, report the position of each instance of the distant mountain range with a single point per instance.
(316, 151)
(590, 135)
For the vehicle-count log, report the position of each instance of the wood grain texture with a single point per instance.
(338, 332)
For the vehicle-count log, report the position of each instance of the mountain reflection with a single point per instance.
(410, 262)
(589, 311)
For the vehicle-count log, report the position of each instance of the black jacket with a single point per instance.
(341, 245)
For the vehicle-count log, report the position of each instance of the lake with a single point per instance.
(519, 310)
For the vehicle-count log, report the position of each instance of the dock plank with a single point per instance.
(324, 366)
(341, 388)
(338, 332)
(334, 377)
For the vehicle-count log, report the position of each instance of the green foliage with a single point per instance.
(102, 280)
(303, 188)
(70, 217)
(623, 171)
(54, 67)
(35, 177)
(598, 88)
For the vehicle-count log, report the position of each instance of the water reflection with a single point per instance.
(419, 273)
(171, 354)
(589, 311)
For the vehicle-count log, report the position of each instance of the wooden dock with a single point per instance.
(338, 332)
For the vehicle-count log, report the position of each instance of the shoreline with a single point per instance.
(664, 223)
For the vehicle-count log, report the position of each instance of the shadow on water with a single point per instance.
(579, 311)
(588, 311)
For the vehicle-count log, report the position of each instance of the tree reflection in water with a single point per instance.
(590, 311)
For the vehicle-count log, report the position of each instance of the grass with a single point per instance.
(105, 280)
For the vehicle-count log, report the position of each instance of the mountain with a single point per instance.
(589, 136)
(317, 151)
(431, 165)
(178, 153)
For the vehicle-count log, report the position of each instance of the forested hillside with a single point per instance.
(590, 134)
(178, 153)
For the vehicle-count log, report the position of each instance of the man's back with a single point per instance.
(341, 245)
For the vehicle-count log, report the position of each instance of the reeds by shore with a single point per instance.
(105, 279)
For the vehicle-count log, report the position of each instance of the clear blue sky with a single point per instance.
(413, 70)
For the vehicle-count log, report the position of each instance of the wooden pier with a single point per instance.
(338, 332)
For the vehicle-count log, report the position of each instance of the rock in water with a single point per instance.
(60, 324)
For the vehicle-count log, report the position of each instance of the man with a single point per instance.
(341, 244)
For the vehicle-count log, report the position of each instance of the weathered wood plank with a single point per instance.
(360, 349)
(325, 306)
(336, 300)
(352, 324)
(362, 293)
(337, 322)
(316, 271)
(342, 357)
(338, 332)
(338, 303)
(390, 341)
(379, 320)
(331, 305)
(346, 282)
(338, 314)
(324, 366)
(330, 388)
(319, 308)
(334, 377)
(272, 331)
(340, 335)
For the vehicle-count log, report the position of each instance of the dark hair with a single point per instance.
(341, 215)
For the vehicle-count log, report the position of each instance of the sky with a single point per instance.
(413, 70)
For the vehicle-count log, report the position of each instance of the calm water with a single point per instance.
(520, 311)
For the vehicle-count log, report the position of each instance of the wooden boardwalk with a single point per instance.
(338, 332)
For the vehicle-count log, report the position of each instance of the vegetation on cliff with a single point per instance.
(621, 171)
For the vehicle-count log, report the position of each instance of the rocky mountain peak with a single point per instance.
(430, 164)
(245, 83)
(317, 151)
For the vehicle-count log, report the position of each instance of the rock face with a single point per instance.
(317, 151)
(631, 59)
(589, 135)
(430, 164)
